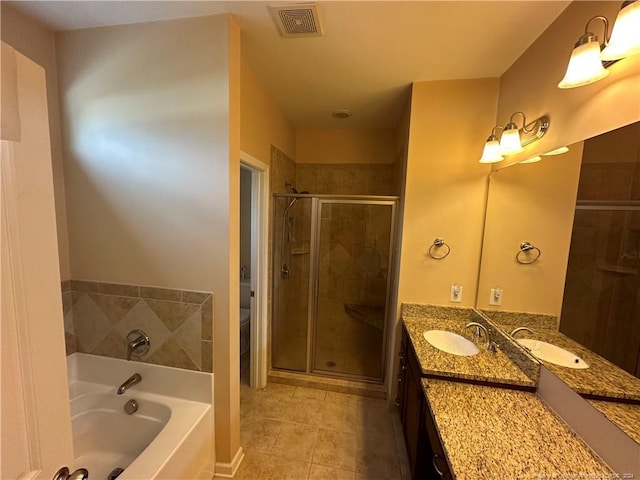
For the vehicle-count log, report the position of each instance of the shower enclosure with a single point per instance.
(332, 257)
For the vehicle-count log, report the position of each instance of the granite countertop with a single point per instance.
(602, 379)
(499, 433)
(625, 415)
(494, 368)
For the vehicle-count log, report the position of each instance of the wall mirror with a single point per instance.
(581, 210)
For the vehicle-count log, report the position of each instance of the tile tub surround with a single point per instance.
(602, 380)
(178, 322)
(625, 415)
(486, 367)
(498, 433)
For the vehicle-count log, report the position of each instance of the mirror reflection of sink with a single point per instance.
(553, 354)
(451, 342)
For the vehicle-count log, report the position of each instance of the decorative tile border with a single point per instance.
(179, 322)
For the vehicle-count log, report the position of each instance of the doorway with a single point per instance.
(254, 227)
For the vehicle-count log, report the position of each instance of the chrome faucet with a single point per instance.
(138, 343)
(129, 382)
(481, 329)
(521, 329)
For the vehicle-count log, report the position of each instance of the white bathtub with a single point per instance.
(169, 437)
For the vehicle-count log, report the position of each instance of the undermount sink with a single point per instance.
(553, 354)
(451, 342)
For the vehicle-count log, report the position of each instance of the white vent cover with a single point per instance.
(297, 20)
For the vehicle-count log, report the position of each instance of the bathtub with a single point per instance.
(170, 436)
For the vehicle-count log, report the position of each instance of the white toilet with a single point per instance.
(245, 316)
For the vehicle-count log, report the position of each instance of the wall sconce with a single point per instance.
(586, 62)
(513, 138)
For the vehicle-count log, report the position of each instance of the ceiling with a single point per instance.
(371, 51)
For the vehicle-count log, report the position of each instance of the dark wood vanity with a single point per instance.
(427, 459)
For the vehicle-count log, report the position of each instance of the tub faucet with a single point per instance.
(490, 345)
(129, 382)
(521, 329)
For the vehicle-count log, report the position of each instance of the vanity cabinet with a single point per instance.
(425, 452)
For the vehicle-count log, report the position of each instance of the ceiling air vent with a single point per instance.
(297, 20)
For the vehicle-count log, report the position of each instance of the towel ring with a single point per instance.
(438, 243)
(525, 248)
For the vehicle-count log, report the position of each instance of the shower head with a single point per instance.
(291, 186)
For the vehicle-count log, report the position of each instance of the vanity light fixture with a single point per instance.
(585, 66)
(586, 62)
(625, 37)
(513, 138)
(491, 152)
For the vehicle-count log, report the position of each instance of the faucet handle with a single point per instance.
(138, 344)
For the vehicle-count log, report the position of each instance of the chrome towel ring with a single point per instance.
(435, 246)
(524, 257)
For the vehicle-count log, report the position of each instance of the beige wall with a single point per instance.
(535, 203)
(345, 145)
(37, 43)
(445, 188)
(530, 85)
(151, 149)
(262, 121)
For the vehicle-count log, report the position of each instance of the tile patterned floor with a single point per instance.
(296, 433)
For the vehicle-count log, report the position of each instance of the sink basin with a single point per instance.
(553, 354)
(451, 342)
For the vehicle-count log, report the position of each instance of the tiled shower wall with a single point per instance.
(98, 316)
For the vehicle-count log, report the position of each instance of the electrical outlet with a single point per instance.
(456, 293)
(495, 297)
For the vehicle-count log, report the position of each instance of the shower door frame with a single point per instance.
(314, 282)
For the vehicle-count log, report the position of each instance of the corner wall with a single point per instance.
(151, 143)
(445, 188)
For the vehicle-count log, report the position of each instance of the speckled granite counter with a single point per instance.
(494, 368)
(601, 380)
(625, 415)
(495, 433)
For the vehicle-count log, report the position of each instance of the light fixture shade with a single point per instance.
(625, 38)
(510, 141)
(584, 67)
(491, 152)
(557, 151)
(533, 159)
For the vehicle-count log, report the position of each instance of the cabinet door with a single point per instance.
(437, 462)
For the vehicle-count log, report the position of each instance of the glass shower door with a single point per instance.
(291, 273)
(352, 273)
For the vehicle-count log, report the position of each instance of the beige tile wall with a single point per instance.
(179, 323)
(347, 179)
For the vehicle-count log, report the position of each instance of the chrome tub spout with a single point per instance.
(129, 382)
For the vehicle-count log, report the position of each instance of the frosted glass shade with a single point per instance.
(533, 159)
(585, 66)
(625, 38)
(491, 152)
(557, 151)
(510, 142)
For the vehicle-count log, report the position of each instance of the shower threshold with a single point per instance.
(353, 387)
